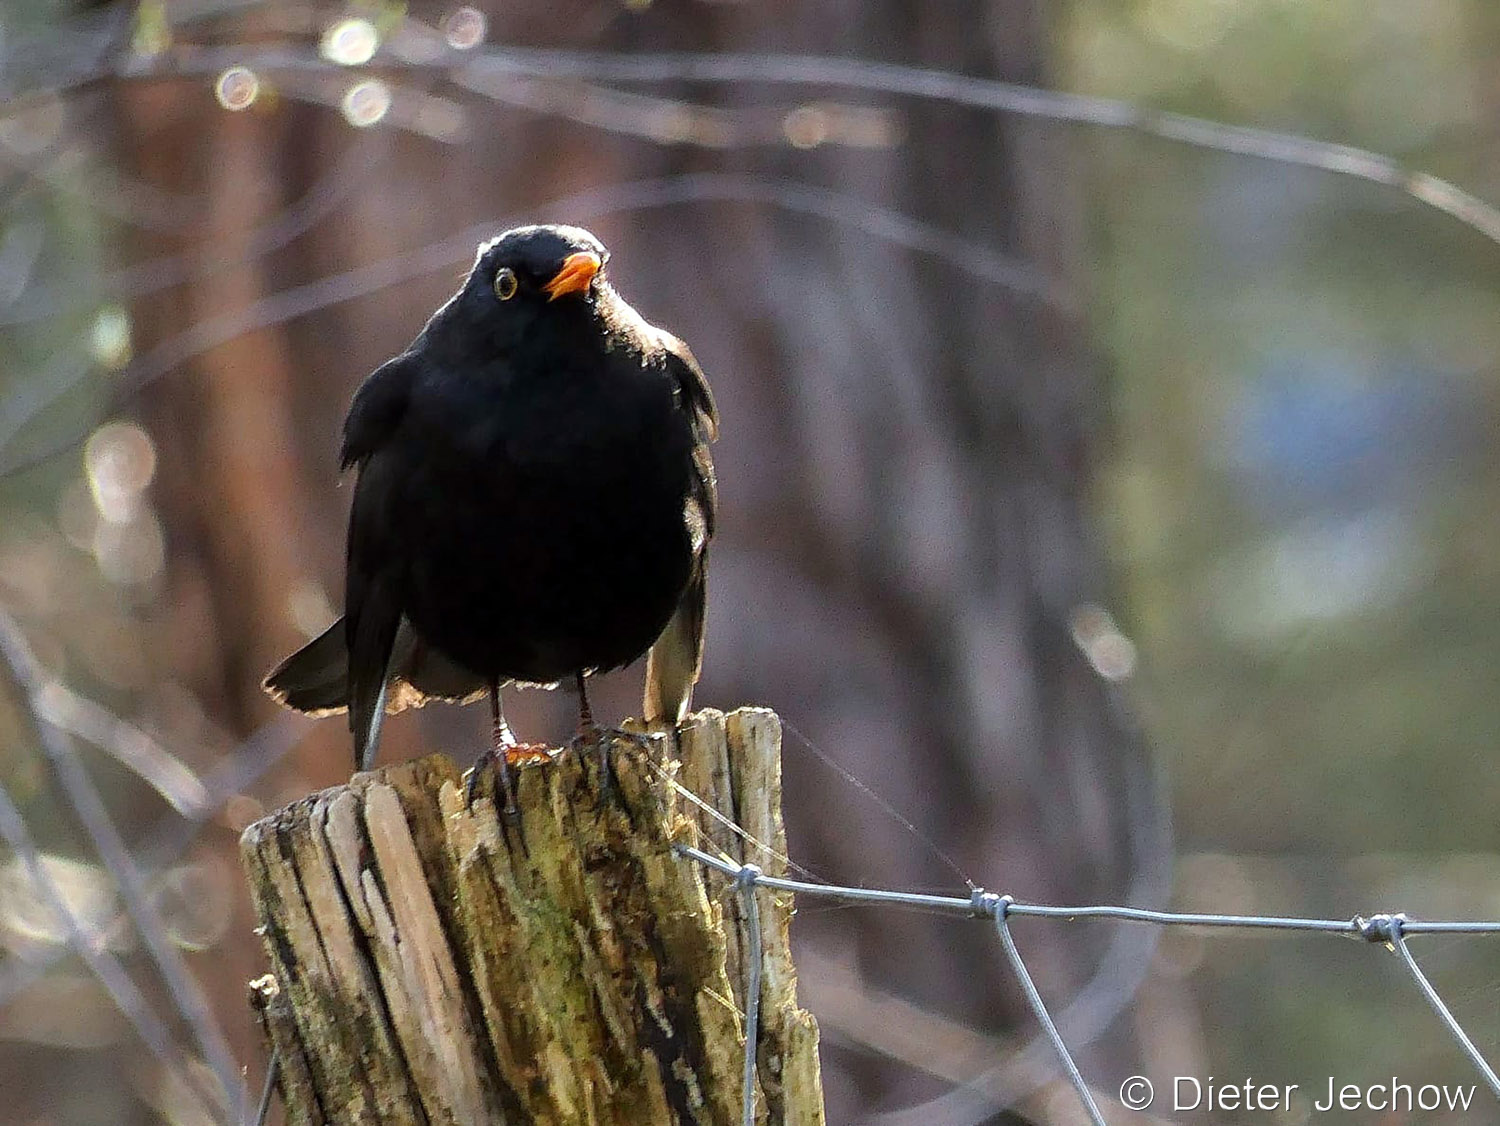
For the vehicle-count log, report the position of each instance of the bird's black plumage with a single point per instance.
(534, 498)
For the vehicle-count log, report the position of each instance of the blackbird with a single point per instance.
(534, 502)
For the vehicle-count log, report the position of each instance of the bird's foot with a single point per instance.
(510, 757)
(592, 737)
(529, 754)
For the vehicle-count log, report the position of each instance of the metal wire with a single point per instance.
(1039, 1007)
(263, 1109)
(1385, 929)
(746, 879)
(1394, 926)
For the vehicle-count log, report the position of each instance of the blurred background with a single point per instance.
(1086, 471)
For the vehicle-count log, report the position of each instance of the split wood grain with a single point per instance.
(433, 963)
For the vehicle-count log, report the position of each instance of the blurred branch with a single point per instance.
(240, 769)
(971, 259)
(348, 175)
(69, 172)
(1119, 973)
(21, 246)
(1006, 97)
(482, 68)
(89, 945)
(124, 742)
(850, 1008)
(23, 402)
(675, 121)
(411, 110)
(30, 680)
(63, 57)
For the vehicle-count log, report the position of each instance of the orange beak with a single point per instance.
(577, 272)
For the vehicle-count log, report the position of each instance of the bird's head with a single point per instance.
(530, 278)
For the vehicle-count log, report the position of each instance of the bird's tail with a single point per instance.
(675, 661)
(314, 679)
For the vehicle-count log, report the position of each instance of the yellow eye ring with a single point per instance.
(506, 283)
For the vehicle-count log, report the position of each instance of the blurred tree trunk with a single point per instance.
(227, 486)
(905, 548)
(921, 445)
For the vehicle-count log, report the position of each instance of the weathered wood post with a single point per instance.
(430, 964)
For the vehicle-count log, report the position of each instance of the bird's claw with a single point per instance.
(487, 758)
(510, 756)
(591, 736)
(599, 739)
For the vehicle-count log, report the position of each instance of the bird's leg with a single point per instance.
(502, 740)
(586, 724)
(588, 731)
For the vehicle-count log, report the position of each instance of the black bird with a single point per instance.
(534, 501)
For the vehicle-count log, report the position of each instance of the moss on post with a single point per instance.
(433, 964)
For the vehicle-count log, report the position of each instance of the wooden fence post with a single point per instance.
(431, 964)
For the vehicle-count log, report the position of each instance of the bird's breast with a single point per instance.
(551, 526)
(553, 416)
(550, 455)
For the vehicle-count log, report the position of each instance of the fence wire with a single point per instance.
(1389, 930)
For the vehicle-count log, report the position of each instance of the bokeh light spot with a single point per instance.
(194, 902)
(237, 88)
(109, 341)
(806, 127)
(78, 515)
(120, 460)
(153, 29)
(465, 28)
(351, 42)
(27, 916)
(442, 120)
(309, 608)
(1110, 652)
(130, 554)
(241, 811)
(366, 102)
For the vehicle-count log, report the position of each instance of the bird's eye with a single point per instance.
(506, 283)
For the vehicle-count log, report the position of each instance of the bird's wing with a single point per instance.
(373, 578)
(698, 401)
(378, 407)
(374, 585)
(346, 665)
(676, 658)
(692, 386)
